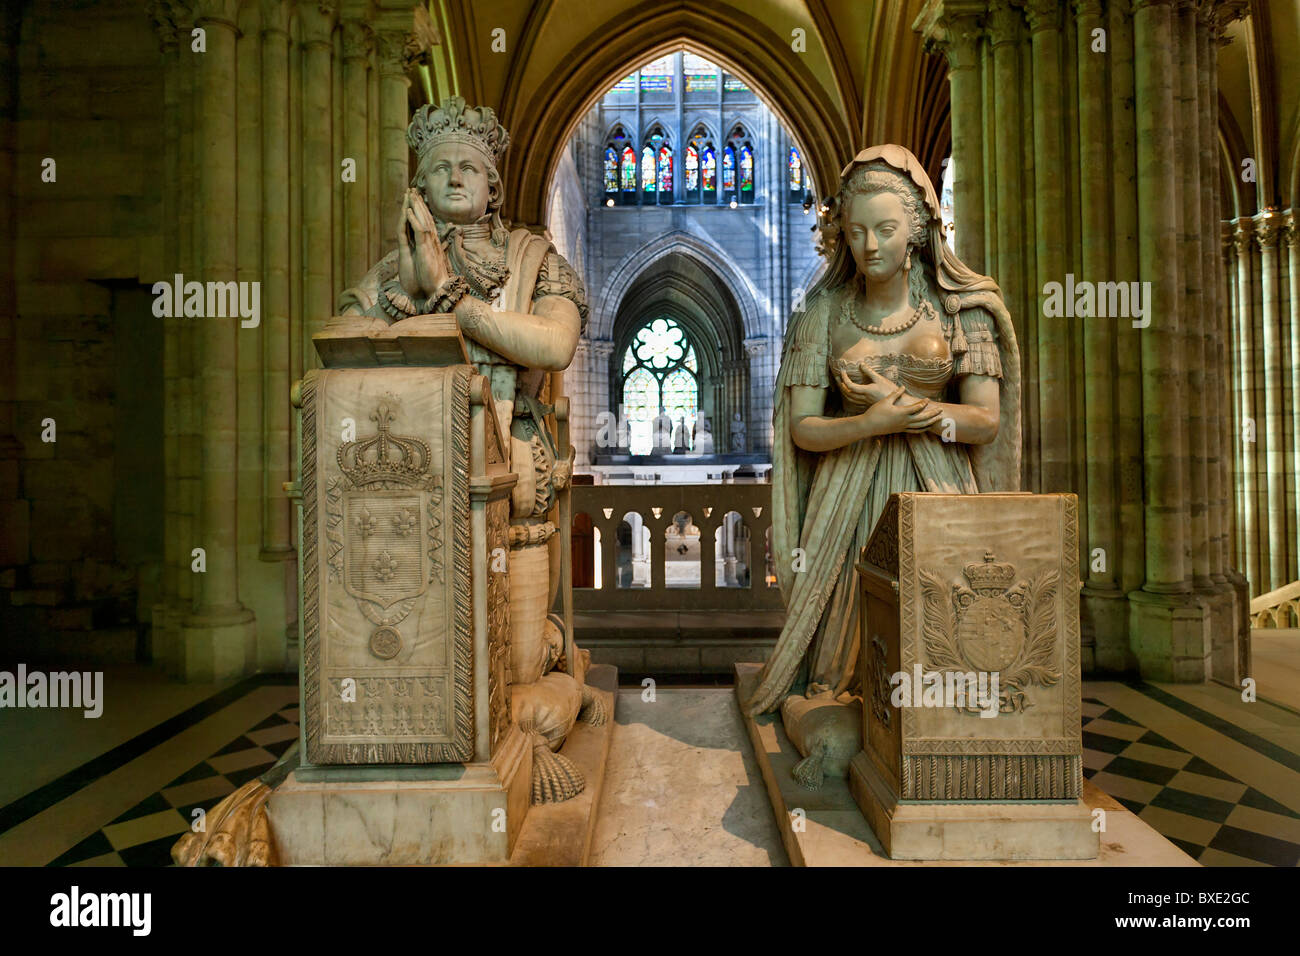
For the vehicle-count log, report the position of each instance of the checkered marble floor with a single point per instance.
(145, 834)
(1211, 815)
(1172, 769)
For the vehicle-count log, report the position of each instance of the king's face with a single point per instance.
(456, 184)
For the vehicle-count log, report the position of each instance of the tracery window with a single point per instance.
(660, 377)
(629, 169)
(740, 151)
(692, 167)
(701, 181)
(657, 167)
(611, 170)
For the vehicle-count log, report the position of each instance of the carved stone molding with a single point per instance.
(275, 17)
(1289, 228)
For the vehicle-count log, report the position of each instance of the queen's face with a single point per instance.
(456, 183)
(876, 229)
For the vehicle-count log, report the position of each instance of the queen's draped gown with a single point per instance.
(848, 487)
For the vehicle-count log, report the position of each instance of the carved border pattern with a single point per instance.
(992, 777)
(435, 530)
(906, 602)
(462, 746)
(882, 550)
(498, 596)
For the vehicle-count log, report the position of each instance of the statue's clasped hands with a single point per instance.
(879, 403)
(422, 266)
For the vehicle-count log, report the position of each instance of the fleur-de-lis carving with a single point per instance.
(404, 522)
(366, 523)
(384, 565)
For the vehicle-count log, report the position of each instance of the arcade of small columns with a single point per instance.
(1262, 287)
(257, 126)
(1105, 165)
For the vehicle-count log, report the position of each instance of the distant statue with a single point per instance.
(663, 434)
(702, 440)
(901, 375)
(737, 434)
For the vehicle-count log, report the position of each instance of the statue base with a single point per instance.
(403, 816)
(438, 814)
(978, 830)
(827, 827)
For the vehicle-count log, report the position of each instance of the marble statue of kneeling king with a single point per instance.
(521, 308)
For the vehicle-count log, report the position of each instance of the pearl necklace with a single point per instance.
(850, 311)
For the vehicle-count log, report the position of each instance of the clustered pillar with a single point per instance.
(260, 99)
(1085, 152)
(1263, 263)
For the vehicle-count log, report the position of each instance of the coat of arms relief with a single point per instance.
(384, 527)
(993, 624)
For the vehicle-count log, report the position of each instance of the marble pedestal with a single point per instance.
(977, 830)
(404, 816)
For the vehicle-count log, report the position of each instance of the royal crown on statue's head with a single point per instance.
(452, 122)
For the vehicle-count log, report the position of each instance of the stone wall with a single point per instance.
(85, 348)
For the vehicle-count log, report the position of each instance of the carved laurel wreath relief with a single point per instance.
(993, 626)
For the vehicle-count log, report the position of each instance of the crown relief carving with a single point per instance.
(385, 459)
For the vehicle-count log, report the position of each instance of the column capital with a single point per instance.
(1227, 242)
(1043, 15)
(403, 40)
(954, 28)
(1268, 225)
(1242, 235)
(1087, 9)
(166, 23)
(1289, 228)
(756, 346)
(358, 40)
(602, 348)
(1003, 23)
(225, 12)
(318, 20)
(1138, 5)
(276, 15)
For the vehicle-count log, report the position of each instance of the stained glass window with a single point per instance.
(648, 169)
(746, 168)
(728, 169)
(625, 85)
(734, 84)
(657, 77)
(692, 169)
(665, 169)
(660, 372)
(710, 169)
(701, 76)
(796, 171)
(629, 168)
(611, 170)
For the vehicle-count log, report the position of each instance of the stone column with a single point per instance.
(1103, 612)
(219, 636)
(1170, 633)
(1247, 440)
(1293, 362)
(166, 613)
(1052, 242)
(1004, 26)
(967, 111)
(357, 42)
(279, 532)
(319, 172)
(1273, 571)
(394, 175)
